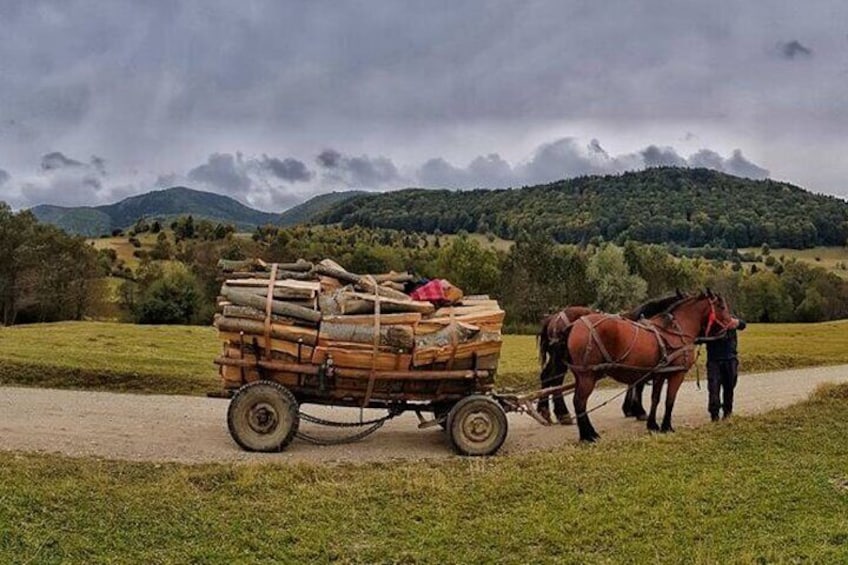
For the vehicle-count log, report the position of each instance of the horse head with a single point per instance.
(718, 319)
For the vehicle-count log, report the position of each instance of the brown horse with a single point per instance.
(552, 345)
(660, 347)
(551, 341)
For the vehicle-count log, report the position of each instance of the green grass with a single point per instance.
(773, 488)
(110, 356)
(178, 359)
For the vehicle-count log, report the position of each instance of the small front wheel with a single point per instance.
(476, 426)
(263, 416)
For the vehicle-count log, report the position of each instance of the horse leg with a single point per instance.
(585, 384)
(674, 383)
(656, 390)
(627, 405)
(636, 407)
(560, 408)
(544, 378)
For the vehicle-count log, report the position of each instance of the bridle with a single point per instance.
(712, 318)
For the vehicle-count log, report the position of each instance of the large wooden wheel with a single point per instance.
(477, 425)
(263, 416)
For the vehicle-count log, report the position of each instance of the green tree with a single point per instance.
(617, 289)
(466, 264)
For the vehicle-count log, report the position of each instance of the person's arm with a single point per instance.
(742, 325)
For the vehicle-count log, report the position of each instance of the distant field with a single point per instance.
(124, 248)
(826, 257)
(178, 359)
(767, 489)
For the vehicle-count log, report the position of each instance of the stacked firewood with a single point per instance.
(304, 313)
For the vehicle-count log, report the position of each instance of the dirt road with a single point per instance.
(193, 430)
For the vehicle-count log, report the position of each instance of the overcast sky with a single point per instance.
(272, 102)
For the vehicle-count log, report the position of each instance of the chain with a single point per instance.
(374, 425)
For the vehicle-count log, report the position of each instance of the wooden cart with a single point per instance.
(264, 415)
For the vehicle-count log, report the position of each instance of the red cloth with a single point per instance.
(429, 292)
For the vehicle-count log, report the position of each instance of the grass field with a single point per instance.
(178, 359)
(830, 258)
(769, 489)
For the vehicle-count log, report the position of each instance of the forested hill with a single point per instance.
(691, 207)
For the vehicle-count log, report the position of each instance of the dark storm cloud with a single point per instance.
(57, 160)
(793, 50)
(4, 177)
(288, 169)
(362, 172)
(223, 171)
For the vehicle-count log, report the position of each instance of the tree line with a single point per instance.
(687, 207)
(47, 275)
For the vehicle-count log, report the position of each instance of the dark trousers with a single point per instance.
(721, 380)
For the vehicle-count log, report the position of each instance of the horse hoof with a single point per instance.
(667, 430)
(653, 427)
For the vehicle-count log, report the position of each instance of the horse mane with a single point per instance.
(655, 306)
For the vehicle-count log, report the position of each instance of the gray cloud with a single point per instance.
(740, 166)
(223, 171)
(566, 158)
(4, 177)
(793, 50)
(57, 160)
(654, 156)
(290, 170)
(361, 172)
(150, 86)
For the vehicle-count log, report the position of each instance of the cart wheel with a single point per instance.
(263, 416)
(477, 425)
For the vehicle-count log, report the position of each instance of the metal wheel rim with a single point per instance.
(479, 426)
(262, 418)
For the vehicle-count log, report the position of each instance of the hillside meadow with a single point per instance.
(766, 489)
(178, 359)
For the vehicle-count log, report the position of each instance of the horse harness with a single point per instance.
(669, 354)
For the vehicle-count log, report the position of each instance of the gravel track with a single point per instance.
(193, 430)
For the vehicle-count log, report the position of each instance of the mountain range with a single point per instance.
(166, 205)
(688, 207)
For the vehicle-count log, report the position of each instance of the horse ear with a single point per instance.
(709, 292)
(678, 293)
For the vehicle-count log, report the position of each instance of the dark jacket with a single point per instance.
(724, 349)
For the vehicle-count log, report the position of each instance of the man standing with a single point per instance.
(722, 372)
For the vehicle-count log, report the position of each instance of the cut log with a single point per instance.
(277, 331)
(300, 266)
(394, 277)
(360, 303)
(395, 336)
(280, 292)
(408, 319)
(362, 359)
(280, 345)
(247, 298)
(487, 321)
(458, 332)
(362, 282)
(484, 344)
(233, 311)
